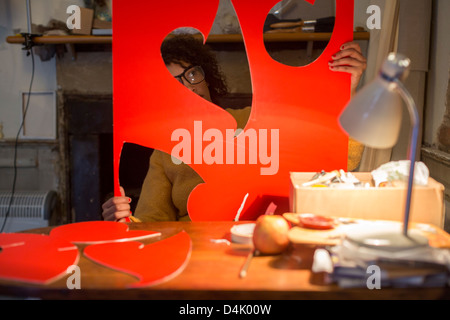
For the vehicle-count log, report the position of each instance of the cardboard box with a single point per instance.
(380, 203)
(87, 18)
(101, 24)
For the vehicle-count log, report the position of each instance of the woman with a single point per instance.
(167, 186)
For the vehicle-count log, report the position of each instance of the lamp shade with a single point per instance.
(374, 115)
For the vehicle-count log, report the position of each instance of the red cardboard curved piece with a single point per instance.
(94, 232)
(35, 258)
(151, 264)
(294, 109)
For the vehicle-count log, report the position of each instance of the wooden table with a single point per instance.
(213, 273)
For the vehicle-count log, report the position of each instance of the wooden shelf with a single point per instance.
(215, 38)
(62, 39)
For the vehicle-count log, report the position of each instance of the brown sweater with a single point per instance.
(167, 186)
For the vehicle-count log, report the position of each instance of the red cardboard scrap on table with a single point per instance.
(42, 259)
(35, 258)
(151, 264)
(294, 109)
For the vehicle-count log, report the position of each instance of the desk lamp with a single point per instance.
(373, 117)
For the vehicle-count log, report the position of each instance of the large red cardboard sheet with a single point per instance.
(302, 103)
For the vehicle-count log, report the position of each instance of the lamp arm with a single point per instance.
(414, 133)
(29, 16)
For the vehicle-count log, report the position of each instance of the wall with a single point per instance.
(436, 138)
(15, 70)
(38, 161)
(439, 72)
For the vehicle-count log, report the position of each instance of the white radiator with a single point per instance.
(29, 210)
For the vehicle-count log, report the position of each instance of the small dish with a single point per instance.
(242, 233)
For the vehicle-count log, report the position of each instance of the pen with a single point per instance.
(244, 269)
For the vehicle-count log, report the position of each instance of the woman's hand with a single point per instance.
(117, 208)
(351, 60)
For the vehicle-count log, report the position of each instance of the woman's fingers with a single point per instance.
(113, 214)
(349, 59)
(122, 191)
(351, 55)
(116, 208)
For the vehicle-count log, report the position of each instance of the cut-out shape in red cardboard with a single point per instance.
(151, 264)
(302, 103)
(95, 232)
(35, 258)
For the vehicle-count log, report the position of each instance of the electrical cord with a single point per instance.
(29, 52)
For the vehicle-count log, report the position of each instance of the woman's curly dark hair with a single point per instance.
(188, 49)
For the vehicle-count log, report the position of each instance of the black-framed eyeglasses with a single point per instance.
(192, 74)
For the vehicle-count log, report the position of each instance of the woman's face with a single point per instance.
(201, 88)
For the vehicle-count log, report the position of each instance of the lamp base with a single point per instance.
(390, 241)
